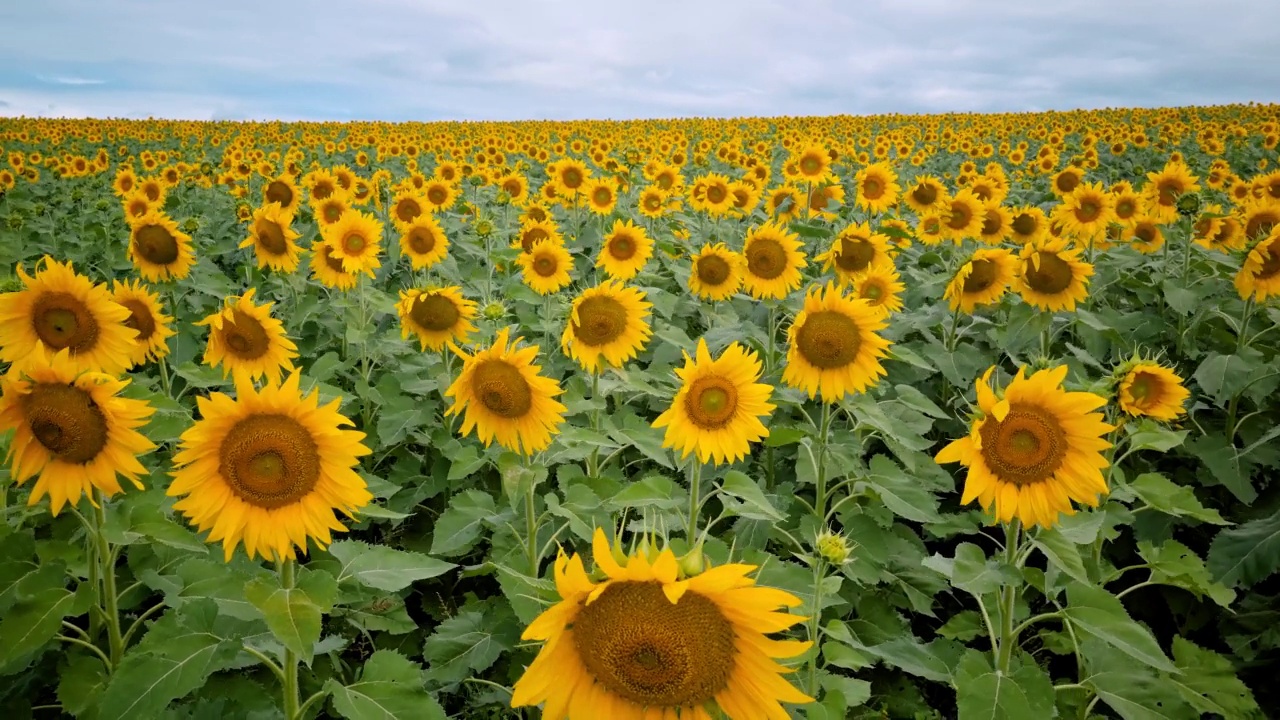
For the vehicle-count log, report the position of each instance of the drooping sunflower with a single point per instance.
(1144, 235)
(159, 249)
(146, 316)
(876, 187)
(437, 316)
(328, 270)
(773, 261)
(853, 250)
(1150, 389)
(246, 341)
(355, 240)
(626, 249)
(1033, 451)
(72, 429)
(406, 206)
(59, 309)
(927, 194)
(962, 216)
(648, 642)
(1028, 225)
(1164, 187)
(1259, 275)
(825, 200)
(833, 346)
(532, 233)
(716, 273)
(1053, 277)
(424, 242)
(996, 220)
(545, 268)
(718, 408)
(269, 468)
(785, 203)
(607, 326)
(880, 285)
(505, 397)
(982, 280)
(272, 236)
(284, 191)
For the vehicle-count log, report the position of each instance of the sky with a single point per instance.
(562, 59)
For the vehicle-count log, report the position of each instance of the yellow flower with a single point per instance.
(1034, 451)
(146, 316)
(268, 468)
(626, 249)
(545, 268)
(355, 239)
(607, 326)
(283, 191)
(982, 280)
(647, 643)
(718, 408)
(716, 273)
(158, 249)
(505, 397)
(1150, 389)
(436, 316)
(71, 429)
(272, 236)
(879, 284)
(854, 250)
(1259, 275)
(833, 346)
(876, 187)
(245, 340)
(424, 242)
(773, 261)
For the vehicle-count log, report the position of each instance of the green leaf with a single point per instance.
(1209, 683)
(459, 526)
(900, 492)
(81, 683)
(1133, 691)
(970, 570)
(1224, 461)
(1168, 497)
(382, 567)
(1182, 300)
(175, 658)
(390, 688)
(1099, 614)
(650, 491)
(469, 642)
(1246, 554)
(1222, 376)
(754, 505)
(294, 615)
(982, 693)
(1154, 436)
(917, 400)
(781, 436)
(1062, 553)
(963, 626)
(32, 622)
(1176, 564)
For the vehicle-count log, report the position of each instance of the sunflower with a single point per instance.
(1224, 233)
(356, 240)
(283, 191)
(926, 195)
(1163, 188)
(328, 270)
(569, 177)
(1066, 181)
(272, 236)
(1259, 276)
(653, 202)
(601, 194)
(1033, 451)
(506, 398)
(647, 643)
(930, 229)
(711, 194)
(125, 181)
(996, 220)
(607, 325)
(439, 195)
(515, 186)
(72, 429)
(407, 206)
(159, 249)
(812, 163)
(785, 202)
(245, 340)
(1053, 277)
(1144, 236)
(718, 408)
(1258, 219)
(321, 185)
(546, 267)
(962, 216)
(330, 210)
(853, 250)
(268, 468)
(1150, 389)
(424, 242)
(154, 188)
(880, 285)
(982, 280)
(437, 316)
(833, 346)
(136, 205)
(626, 250)
(1028, 224)
(825, 200)
(1126, 204)
(876, 188)
(532, 233)
(146, 316)
(716, 273)
(58, 309)
(1086, 211)
(773, 261)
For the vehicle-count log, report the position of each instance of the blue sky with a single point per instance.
(562, 59)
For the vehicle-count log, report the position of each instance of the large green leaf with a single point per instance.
(1246, 554)
(294, 614)
(1170, 498)
(1099, 614)
(458, 528)
(382, 567)
(983, 693)
(469, 642)
(1209, 683)
(31, 623)
(390, 688)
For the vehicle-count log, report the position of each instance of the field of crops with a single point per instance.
(886, 417)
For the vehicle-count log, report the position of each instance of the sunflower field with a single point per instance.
(953, 416)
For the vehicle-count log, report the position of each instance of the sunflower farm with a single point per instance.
(948, 416)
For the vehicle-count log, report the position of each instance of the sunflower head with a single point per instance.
(159, 249)
(245, 340)
(356, 240)
(982, 280)
(424, 241)
(645, 639)
(273, 238)
(834, 346)
(1259, 274)
(716, 273)
(437, 316)
(146, 316)
(1034, 450)
(854, 250)
(1052, 276)
(773, 261)
(626, 249)
(1146, 388)
(607, 326)
(546, 267)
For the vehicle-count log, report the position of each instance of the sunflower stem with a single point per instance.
(1046, 335)
(815, 621)
(695, 482)
(820, 499)
(531, 530)
(1008, 600)
(164, 377)
(109, 598)
(953, 331)
(289, 674)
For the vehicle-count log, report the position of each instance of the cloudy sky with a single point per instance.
(561, 59)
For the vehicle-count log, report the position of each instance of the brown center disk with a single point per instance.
(244, 336)
(828, 339)
(1053, 276)
(155, 244)
(766, 258)
(66, 421)
(140, 319)
(434, 312)
(61, 320)
(601, 320)
(502, 389)
(711, 402)
(1027, 447)
(269, 460)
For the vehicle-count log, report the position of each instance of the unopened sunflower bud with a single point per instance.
(494, 310)
(692, 562)
(832, 547)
